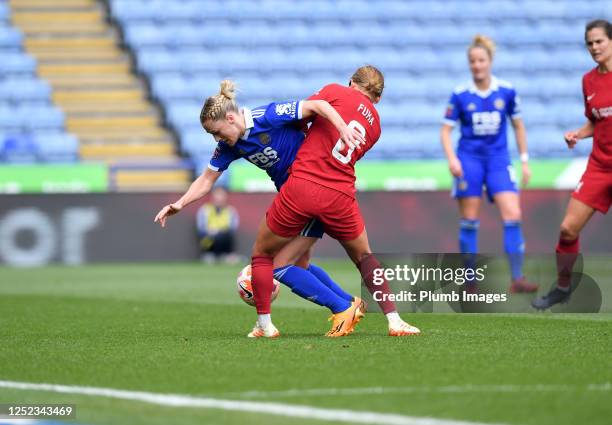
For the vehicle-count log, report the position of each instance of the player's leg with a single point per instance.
(576, 217)
(468, 192)
(502, 189)
(344, 223)
(593, 193)
(267, 244)
(359, 252)
(302, 281)
(508, 204)
(298, 252)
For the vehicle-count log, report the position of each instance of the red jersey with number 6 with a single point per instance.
(597, 91)
(323, 158)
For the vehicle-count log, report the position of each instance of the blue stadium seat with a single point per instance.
(17, 63)
(21, 89)
(10, 37)
(57, 147)
(16, 147)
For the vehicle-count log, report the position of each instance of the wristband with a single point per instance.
(524, 157)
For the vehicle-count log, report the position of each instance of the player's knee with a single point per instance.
(568, 232)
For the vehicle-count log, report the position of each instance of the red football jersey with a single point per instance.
(323, 158)
(597, 91)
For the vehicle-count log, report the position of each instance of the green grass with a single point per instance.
(180, 329)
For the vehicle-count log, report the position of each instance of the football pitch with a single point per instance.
(166, 344)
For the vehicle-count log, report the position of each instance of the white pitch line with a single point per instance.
(290, 410)
(324, 392)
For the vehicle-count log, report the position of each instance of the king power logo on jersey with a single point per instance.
(286, 108)
(486, 123)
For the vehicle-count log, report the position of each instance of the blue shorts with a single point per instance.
(495, 172)
(313, 229)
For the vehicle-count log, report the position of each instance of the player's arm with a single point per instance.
(351, 137)
(454, 165)
(520, 133)
(198, 189)
(572, 136)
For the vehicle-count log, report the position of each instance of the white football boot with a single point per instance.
(398, 327)
(269, 331)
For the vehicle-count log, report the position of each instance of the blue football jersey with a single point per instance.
(271, 141)
(483, 116)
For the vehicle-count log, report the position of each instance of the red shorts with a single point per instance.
(301, 200)
(595, 189)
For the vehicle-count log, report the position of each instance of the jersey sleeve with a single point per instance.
(453, 110)
(281, 114)
(513, 106)
(221, 158)
(587, 111)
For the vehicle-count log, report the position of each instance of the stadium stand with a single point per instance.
(277, 50)
(68, 92)
(68, 79)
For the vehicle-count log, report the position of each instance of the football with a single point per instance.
(245, 291)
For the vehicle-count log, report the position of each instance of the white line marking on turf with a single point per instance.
(409, 390)
(291, 410)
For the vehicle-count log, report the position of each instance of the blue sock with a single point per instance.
(468, 241)
(514, 245)
(468, 236)
(309, 287)
(328, 281)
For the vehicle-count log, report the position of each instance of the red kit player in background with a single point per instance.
(321, 185)
(594, 192)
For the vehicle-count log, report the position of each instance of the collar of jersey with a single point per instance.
(494, 86)
(248, 122)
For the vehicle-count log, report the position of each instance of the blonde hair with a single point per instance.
(370, 79)
(215, 107)
(483, 42)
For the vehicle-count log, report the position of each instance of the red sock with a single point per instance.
(567, 252)
(366, 268)
(262, 282)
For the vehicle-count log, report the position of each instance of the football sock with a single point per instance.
(262, 282)
(308, 286)
(468, 241)
(366, 267)
(567, 253)
(514, 245)
(329, 282)
(264, 320)
(468, 236)
(393, 317)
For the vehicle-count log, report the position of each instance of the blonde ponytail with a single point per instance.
(217, 106)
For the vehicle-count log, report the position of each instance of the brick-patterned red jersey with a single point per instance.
(597, 91)
(323, 158)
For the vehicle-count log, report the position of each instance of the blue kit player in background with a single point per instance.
(269, 137)
(482, 107)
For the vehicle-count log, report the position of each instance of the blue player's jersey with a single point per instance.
(483, 116)
(271, 140)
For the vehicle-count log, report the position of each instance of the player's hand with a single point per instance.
(454, 165)
(166, 212)
(571, 138)
(351, 137)
(525, 174)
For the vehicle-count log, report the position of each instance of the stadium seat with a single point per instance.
(277, 50)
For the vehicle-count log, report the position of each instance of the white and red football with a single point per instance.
(245, 290)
